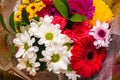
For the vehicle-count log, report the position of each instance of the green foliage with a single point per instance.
(12, 47)
(61, 7)
(11, 22)
(6, 38)
(3, 23)
(78, 18)
(36, 18)
(25, 16)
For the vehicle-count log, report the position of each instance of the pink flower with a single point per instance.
(59, 20)
(100, 32)
(83, 7)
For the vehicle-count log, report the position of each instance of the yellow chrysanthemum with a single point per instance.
(17, 16)
(40, 5)
(20, 7)
(32, 8)
(37, 0)
(102, 12)
(31, 15)
(25, 1)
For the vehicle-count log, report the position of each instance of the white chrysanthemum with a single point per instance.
(24, 43)
(29, 64)
(64, 40)
(34, 29)
(57, 58)
(71, 74)
(46, 19)
(48, 33)
(101, 34)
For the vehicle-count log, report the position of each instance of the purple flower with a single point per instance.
(83, 7)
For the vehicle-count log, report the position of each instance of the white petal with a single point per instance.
(24, 37)
(19, 53)
(21, 66)
(36, 48)
(33, 24)
(98, 23)
(18, 42)
(91, 33)
(37, 64)
(33, 72)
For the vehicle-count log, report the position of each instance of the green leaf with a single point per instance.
(23, 23)
(12, 47)
(6, 38)
(11, 22)
(25, 16)
(61, 7)
(17, 26)
(3, 23)
(65, 2)
(37, 18)
(77, 18)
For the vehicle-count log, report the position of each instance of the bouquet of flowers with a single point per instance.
(63, 36)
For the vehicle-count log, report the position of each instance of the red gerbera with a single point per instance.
(86, 60)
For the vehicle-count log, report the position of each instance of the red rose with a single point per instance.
(80, 30)
(59, 20)
(86, 60)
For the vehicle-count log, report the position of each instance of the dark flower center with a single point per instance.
(28, 13)
(33, 7)
(73, 11)
(101, 33)
(18, 16)
(90, 55)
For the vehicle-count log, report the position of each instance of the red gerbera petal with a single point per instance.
(86, 59)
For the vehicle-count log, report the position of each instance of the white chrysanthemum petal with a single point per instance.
(57, 58)
(48, 34)
(34, 29)
(24, 37)
(20, 52)
(21, 66)
(37, 64)
(33, 72)
(72, 75)
(48, 19)
(18, 42)
(29, 64)
(36, 48)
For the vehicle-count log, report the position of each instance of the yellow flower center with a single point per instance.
(69, 68)
(28, 64)
(68, 45)
(49, 36)
(26, 47)
(55, 58)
